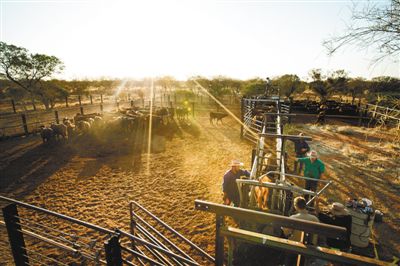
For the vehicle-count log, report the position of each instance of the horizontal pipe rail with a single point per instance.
(272, 219)
(162, 236)
(169, 228)
(300, 248)
(166, 252)
(291, 137)
(299, 176)
(58, 215)
(279, 186)
(56, 244)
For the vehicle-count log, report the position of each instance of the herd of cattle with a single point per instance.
(125, 121)
(333, 107)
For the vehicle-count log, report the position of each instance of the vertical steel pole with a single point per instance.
(113, 251)
(219, 241)
(15, 236)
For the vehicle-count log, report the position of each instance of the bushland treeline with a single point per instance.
(29, 77)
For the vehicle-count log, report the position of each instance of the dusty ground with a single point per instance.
(92, 184)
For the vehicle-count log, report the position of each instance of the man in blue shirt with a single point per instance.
(229, 186)
(301, 148)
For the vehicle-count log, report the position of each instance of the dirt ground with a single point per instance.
(96, 185)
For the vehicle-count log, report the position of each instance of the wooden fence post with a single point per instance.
(91, 99)
(81, 108)
(193, 109)
(56, 116)
(101, 98)
(15, 235)
(113, 251)
(79, 99)
(101, 107)
(24, 124)
(66, 101)
(132, 103)
(13, 106)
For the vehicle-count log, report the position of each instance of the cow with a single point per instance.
(182, 113)
(262, 193)
(46, 133)
(217, 116)
(59, 130)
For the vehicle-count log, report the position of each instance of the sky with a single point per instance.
(239, 39)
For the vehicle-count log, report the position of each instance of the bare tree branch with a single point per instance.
(372, 26)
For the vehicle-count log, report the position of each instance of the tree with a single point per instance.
(356, 87)
(51, 93)
(167, 83)
(337, 82)
(318, 84)
(27, 70)
(375, 25)
(253, 87)
(287, 84)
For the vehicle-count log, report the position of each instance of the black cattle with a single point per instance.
(217, 116)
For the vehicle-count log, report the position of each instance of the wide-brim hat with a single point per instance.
(313, 154)
(236, 163)
(338, 209)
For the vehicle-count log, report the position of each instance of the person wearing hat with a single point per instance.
(313, 168)
(300, 148)
(229, 187)
(338, 215)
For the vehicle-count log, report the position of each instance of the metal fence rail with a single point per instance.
(34, 238)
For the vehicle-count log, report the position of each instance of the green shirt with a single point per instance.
(313, 170)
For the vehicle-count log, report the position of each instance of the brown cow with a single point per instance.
(262, 193)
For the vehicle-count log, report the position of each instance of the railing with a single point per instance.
(155, 228)
(42, 237)
(277, 221)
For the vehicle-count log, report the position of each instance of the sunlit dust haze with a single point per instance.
(241, 39)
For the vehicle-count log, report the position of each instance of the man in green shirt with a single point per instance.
(313, 168)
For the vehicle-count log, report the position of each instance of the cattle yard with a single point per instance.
(105, 176)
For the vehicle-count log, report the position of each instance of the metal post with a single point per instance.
(361, 116)
(231, 248)
(15, 236)
(13, 106)
(79, 99)
(219, 241)
(66, 101)
(113, 251)
(91, 99)
(133, 227)
(56, 116)
(242, 117)
(81, 108)
(24, 124)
